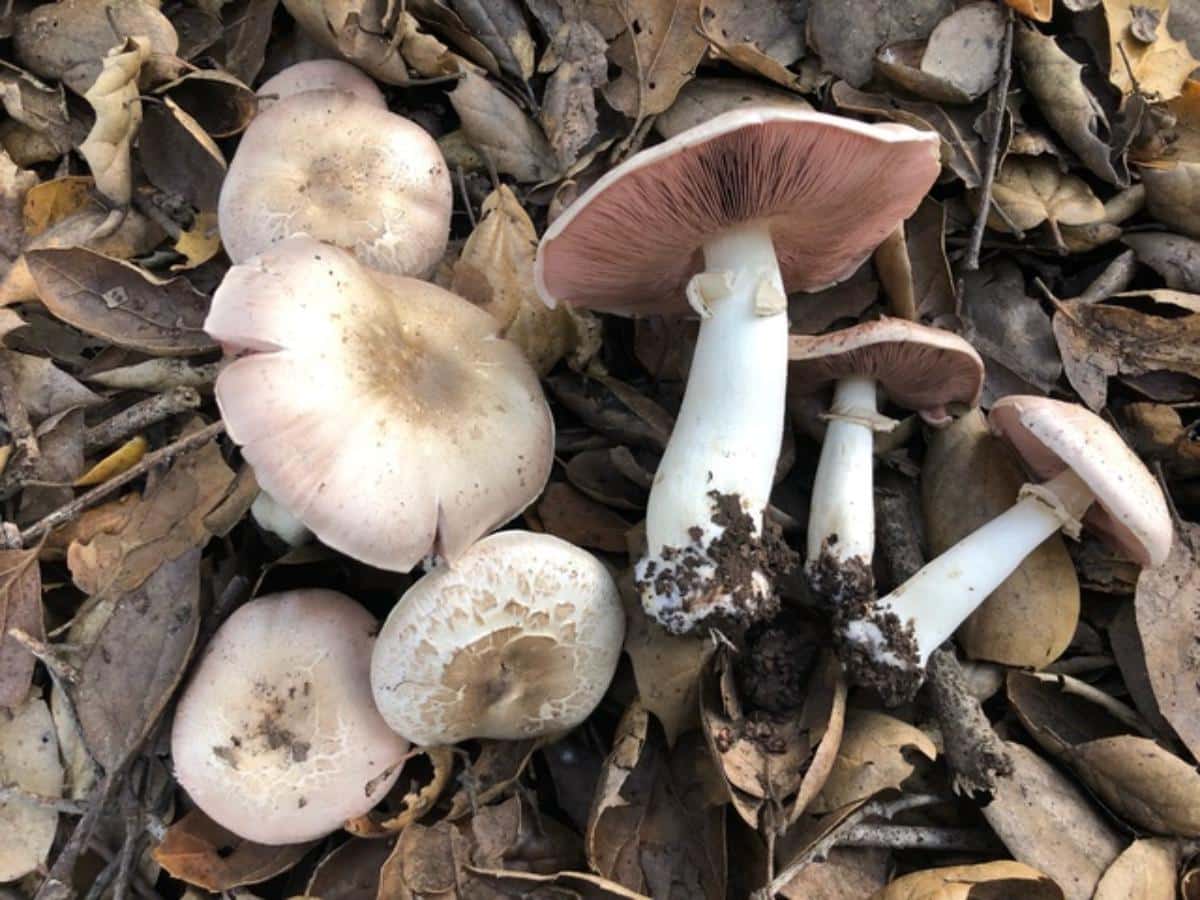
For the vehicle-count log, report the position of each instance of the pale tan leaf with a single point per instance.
(876, 753)
(29, 760)
(1145, 871)
(1032, 190)
(658, 54)
(115, 98)
(501, 131)
(1158, 67)
(985, 880)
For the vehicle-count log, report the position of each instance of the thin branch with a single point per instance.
(920, 837)
(11, 792)
(139, 417)
(1000, 99)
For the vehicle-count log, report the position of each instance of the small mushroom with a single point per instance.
(1087, 476)
(340, 169)
(385, 413)
(919, 368)
(518, 639)
(276, 736)
(320, 75)
(730, 215)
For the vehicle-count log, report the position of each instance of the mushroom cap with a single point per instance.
(321, 75)
(327, 164)
(919, 367)
(831, 188)
(520, 637)
(1050, 436)
(276, 736)
(383, 412)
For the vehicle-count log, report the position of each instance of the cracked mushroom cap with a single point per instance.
(339, 169)
(320, 75)
(518, 638)
(385, 413)
(1050, 436)
(831, 188)
(920, 368)
(276, 736)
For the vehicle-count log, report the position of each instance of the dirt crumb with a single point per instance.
(896, 684)
(773, 670)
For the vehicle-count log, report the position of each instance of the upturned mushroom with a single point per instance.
(336, 167)
(320, 75)
(726, 217)
(385, 413)
(518, 639)
(276, 736)
(918, 368)
(1086, 476)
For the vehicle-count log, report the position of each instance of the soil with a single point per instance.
(836, 581)
(773, 671)
(896, 684)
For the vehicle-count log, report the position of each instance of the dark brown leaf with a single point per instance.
(179, 156)
(575, 517)
(500, 131)
(351, 872)
(20, 607)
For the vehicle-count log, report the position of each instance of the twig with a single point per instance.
(1000, 98)
(66, 513)
(462, 189)
(1117, 276)
(920, 837)
(9, 792)
(57, 884)
(140, 416)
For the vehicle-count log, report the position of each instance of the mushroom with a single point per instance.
(1086, 476)
(919, 368)
(276, 736)
(318, 75)
(340, 169)
(273, 518)
(730, 214)
(518, 639)
(384, 413)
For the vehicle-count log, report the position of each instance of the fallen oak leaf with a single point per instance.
(1032, 190)
(657, 53)
(20, 607)
(1144, 871)
(500, 130)
(29, 760)
(1002, 878)
(1158, 66)
(115, 98)
(871, 757)
(759, 38)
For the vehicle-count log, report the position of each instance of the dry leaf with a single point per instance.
(15, 184)
(200, 852)
(848, 35)
(704, 98)
(1145, 871)
(121, 303)
(179, 156)
(597, 474)
(762, 38)
(1168, 622)
(157, 375)
(120, 460)
(658, 53)
(576, 518)
(1142, 782)
(1038, 10)
(29, 101)
(849, 873)
(52, 201)
(1158, 66)
(29, 760)
(1174, 257)
(1032, 190)
(1173, 196)
(969, 478)
(500, 26)
(350, 872)
(114, 96)
(411, 798)
(20, 607)
(979, 882)
(499, 130)
(492, 774)
(44, 389)
(568, 112)
(614, 409)
(877, 752)
(959, 62)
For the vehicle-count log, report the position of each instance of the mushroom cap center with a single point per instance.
(508, 674)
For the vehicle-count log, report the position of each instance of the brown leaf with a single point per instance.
(614, 409)
(31, 102)
(848, 35)
(247, 29)
(597, 474)
(15, 184)
(351, 871)
(28, 759)
(704, 97)
(575, 517)
(762, 38)
(959, 62)
(200, 852)
(849, 873)
(1038, 10)
(52, 201)
(1142, 782)
(568, 112)
(658, 53)
(877, 752)
(500, 26)
(501, 131)
(969, 478)
(114, 96)
(1158, 66)
(1168, 622)
(1032, 190)
(20, 607)
(492, 775)
(411, 798)
(978, 882)
(1173, 196)
(179, 156)
(913, 268)
(121, 303)
(1145, 871)
(1174, 257)
(44, 389)
(1127, 648)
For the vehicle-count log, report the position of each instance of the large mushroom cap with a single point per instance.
(383, 412)
(831, 188)
(276, 736)
(920, 368)
(321, 75)
(519, 638)
(1051, 436)
(338, 168)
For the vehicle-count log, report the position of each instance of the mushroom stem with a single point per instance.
(888, 645)
(841, 519)
(719, 463)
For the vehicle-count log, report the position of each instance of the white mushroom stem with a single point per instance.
(841, 519)
(271, 516)
(730, 425)
(939, 597)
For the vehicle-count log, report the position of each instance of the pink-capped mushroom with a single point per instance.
(320, 75)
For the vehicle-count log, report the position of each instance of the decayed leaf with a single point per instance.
(179, 156)
(568, 112)
(497, 128)
(1032, 190)
(118, 301)
(1047, 822)
(658, 53)
(29, 760)
(849, 873)
(492, 775)
(969, 478)
(1168, 621)
(350, 872)
(704, 98)
(15, 183)
(848, 35)
(20, 607)
(763, 38)
(877, 752)
(1158, 66)
(44, 389)
(978, 882)
(495, 271)
(31, 102)
(1145, 871)
(120, 460)
(200, 852)
(1055, 81)
(500, 26)
(114, 96)
(576, 518)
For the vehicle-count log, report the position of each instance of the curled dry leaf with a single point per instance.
(1038, 10)
(197, 850)
(120, 460)
(221, 103)
(763, 38)
(413, 796)
(31, 102)
(28, 760)
(969, 478)
(179, 157)
(877, 752)
(978, 882)
(1156, 61)
(1033, 190)
(657, 53)
(491, 775)
(1047, 822)
(15, 184)
(501, 131)
(20, 607)
(1174, 257)
(114, 96)
(1145, 871)
(1168, 622)
(121, 303)
(848, 35)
